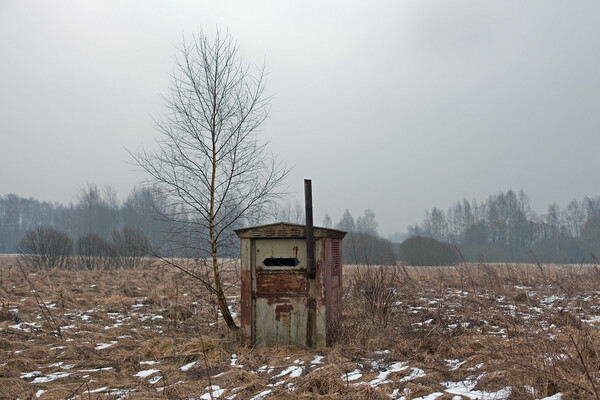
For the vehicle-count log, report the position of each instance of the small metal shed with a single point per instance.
(280, 301)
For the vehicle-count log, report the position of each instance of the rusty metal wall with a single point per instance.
(280, 304)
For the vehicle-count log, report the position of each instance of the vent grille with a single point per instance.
(269, 232)
(336, 261)
(297, 232)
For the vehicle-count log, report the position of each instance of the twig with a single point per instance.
(41, 304)
(210, 389)
(585, 368)
(70, 395)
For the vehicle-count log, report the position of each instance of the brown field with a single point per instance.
(476, 331)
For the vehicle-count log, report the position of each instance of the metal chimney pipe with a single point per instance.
(310, 246)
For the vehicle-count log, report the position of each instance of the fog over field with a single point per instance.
(394, 106)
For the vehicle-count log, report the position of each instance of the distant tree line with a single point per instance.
(98, 224)
(505, 228)
(97, 216)
(499, 229)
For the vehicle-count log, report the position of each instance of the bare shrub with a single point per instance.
(375, 289)
(129, 247)
(45, 247)
(92, 251)
(326, 380)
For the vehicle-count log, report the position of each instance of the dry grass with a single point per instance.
(533, 328)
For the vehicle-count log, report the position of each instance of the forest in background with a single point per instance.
(503, 228)
(96, 211)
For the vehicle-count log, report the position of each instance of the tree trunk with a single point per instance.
(221, 294)
(213, 240)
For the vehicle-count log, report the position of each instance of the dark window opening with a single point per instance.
(280, 262)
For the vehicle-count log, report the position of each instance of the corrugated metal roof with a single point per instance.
(287, 230)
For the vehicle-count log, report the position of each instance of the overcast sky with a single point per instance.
(391, 105)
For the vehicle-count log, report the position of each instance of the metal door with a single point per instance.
(280, 292)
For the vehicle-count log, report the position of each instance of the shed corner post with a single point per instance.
(246, 261)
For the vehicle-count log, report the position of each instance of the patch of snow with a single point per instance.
(548, 301)
(261, 395)
(61, 364)
(381, 378)
(102, 346)
(51, 377)
(530, 389)
(100, 389)
(552, 358)
(147, 372)
(22, 326)
(28, 375)
(318, 360)
(453, 365)
(117, 392)
(382, 352)
(415, 373)
(39, 393)
(557, 396)
(187, 367)
(293, 371)
(97, 369)
(427, 322)
(216, 393)
(155, 379)
(476, 367)
(149, 362)
(431, 396)
(233, 360)
(595, 318)
(465, 388)
(352, 376)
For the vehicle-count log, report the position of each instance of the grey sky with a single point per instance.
(389, 105)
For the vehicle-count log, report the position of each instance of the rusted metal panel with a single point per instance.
(273, 283)
(282, 321)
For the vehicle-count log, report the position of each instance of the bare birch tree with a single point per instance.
(210, 164)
